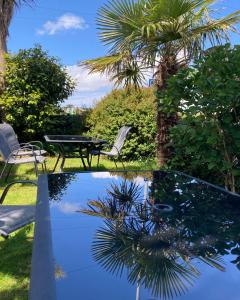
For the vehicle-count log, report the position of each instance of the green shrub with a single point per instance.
(36, 85)
(63, 123)
(122, 107)
(207, 96)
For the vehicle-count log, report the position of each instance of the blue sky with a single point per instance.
(67, 29)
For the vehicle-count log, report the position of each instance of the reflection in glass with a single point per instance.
(160, 249)
(59, 185)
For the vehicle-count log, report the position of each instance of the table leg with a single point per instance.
(55, 166)
(88, 159)
(82, 159)
(62, 165)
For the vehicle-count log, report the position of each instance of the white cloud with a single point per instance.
(65, 22)
(90, 88)
(87, 82)
(103, 175)
(69, 208)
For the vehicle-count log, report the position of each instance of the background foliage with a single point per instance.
(136, 108)
(207, 96)
(36, 85)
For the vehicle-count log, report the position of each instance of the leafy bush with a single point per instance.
(36, 84)
(207, 95)
(122, 107)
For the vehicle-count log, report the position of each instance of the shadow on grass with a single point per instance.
(15, 265)
(15, 293)
(12, 174)
(109, 166)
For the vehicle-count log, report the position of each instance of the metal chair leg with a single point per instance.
(3, 170)
(115, 163)
(90, 159)
(8, 173)
(98, 160)
(36, 168)
(120, 158)
(62, 164)
(45, 166)
(55, 166)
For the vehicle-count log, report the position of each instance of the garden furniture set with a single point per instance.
(86, 147)
(131, 234)
(12, 217)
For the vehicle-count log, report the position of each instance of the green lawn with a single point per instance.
(15, 253)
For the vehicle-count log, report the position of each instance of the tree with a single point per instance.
(206, 139)
(163, 35)
(35, 86)
(6, 13)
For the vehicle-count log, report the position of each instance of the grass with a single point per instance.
(15, 253)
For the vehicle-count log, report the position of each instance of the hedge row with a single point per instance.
(134, 108)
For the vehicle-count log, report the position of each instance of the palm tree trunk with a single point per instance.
(6, 13)
(3, 51)
(167, 67)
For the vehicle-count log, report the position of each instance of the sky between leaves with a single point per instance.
(67, 29)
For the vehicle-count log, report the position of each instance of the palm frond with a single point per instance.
(122, 68)
(117, 21)
(105, 64)
(117, 204)
(222, 24)
(138, 32)
(203, 3)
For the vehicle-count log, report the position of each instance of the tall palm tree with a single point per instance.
(163, 35)
(6, 13)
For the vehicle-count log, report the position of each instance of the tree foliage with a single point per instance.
(122, 107)
(7, 8)
(207, 95)
(141, 33)
(36, 85)
(163, 35)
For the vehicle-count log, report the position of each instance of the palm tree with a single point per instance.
(160, 35)
(6, 13)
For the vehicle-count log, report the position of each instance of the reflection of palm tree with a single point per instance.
(117, 203)
(137, 238)
(151, 260)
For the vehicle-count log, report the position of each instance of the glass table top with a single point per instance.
(143, 235)
(71, 139)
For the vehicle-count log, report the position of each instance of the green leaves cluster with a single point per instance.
(36, 84)
(134, 108)
(207, 96)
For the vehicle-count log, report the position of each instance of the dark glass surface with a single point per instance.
(145, 235)
(71, 138)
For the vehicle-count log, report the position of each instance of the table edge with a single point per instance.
(42, 280)
(96, 141)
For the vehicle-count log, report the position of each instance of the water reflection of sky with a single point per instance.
(73, 233)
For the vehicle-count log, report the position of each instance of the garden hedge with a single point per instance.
(135, 108)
